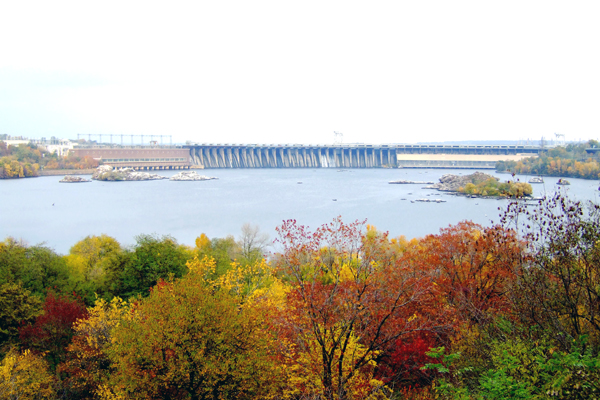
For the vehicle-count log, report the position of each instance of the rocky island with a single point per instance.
(479, 184)
(191, 176)
(452, 183)
(404, 182)
(108, 173)
(73, 179)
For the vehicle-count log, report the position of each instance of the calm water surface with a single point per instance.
(60, 214)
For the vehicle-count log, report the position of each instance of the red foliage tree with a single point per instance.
(52, 331)
(346, 285)
(401, 366)
(474, 267)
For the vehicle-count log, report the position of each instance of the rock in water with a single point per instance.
(404, 182)
(73, 179)
(190, 176)
(107, 173)
(451, 183)
(101, 171)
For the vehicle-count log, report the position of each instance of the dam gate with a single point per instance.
(354, 156)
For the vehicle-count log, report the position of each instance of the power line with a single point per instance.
(89, 135)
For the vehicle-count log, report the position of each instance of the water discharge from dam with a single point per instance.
(291, 157)
(352, 156)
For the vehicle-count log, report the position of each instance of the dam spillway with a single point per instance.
(352, 155)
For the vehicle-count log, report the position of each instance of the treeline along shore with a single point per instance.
(509, 311)
(30, 160)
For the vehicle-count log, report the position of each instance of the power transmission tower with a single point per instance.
(152, 141)
(338, 137)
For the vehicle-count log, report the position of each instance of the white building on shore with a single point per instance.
(59, 146)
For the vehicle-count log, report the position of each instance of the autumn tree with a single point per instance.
(87, 366)
(473, 266)
(19, 161)
(244, 281)
(53, 329)
(350, 299)
(545, 341)
(559, 283)
(203, 244)
(25, 376)
(190, 341)
(90, 261)
(223, 251)
(402, 366)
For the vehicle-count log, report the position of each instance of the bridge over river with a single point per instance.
(355, 155)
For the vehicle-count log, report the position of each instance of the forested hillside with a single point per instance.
(510, 311)
(571, 160)
(25, 161)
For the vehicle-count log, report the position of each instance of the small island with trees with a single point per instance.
(480, 184)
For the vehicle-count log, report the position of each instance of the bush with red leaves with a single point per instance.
(402, 367)
(52, 331)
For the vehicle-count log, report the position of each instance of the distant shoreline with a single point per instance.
(55, 172)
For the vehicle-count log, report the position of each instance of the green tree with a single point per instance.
(90, 261)
(519, 368)
(36, 267)
(152, 259)
(223, 250)
(17, 307)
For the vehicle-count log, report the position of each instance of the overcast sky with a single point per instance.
(294, 72)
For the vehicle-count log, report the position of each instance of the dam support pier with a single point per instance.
(354, 156)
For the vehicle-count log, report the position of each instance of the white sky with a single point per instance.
(293, 72)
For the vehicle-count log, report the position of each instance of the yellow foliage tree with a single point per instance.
(248, 282)
(203, 242)
(192, 341)
(88, 366)
(25, 376)
(305, 370)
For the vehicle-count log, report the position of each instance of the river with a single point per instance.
(42, 210)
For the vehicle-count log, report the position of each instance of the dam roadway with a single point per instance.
(355, 155)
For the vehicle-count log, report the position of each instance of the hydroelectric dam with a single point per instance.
(355, 155)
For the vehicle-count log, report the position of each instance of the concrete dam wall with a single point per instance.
(341, 156)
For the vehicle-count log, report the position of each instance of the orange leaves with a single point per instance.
(473, 266)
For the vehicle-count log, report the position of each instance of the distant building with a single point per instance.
(487, 161)
(147, 158)
(59, 146)
(16, 142)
